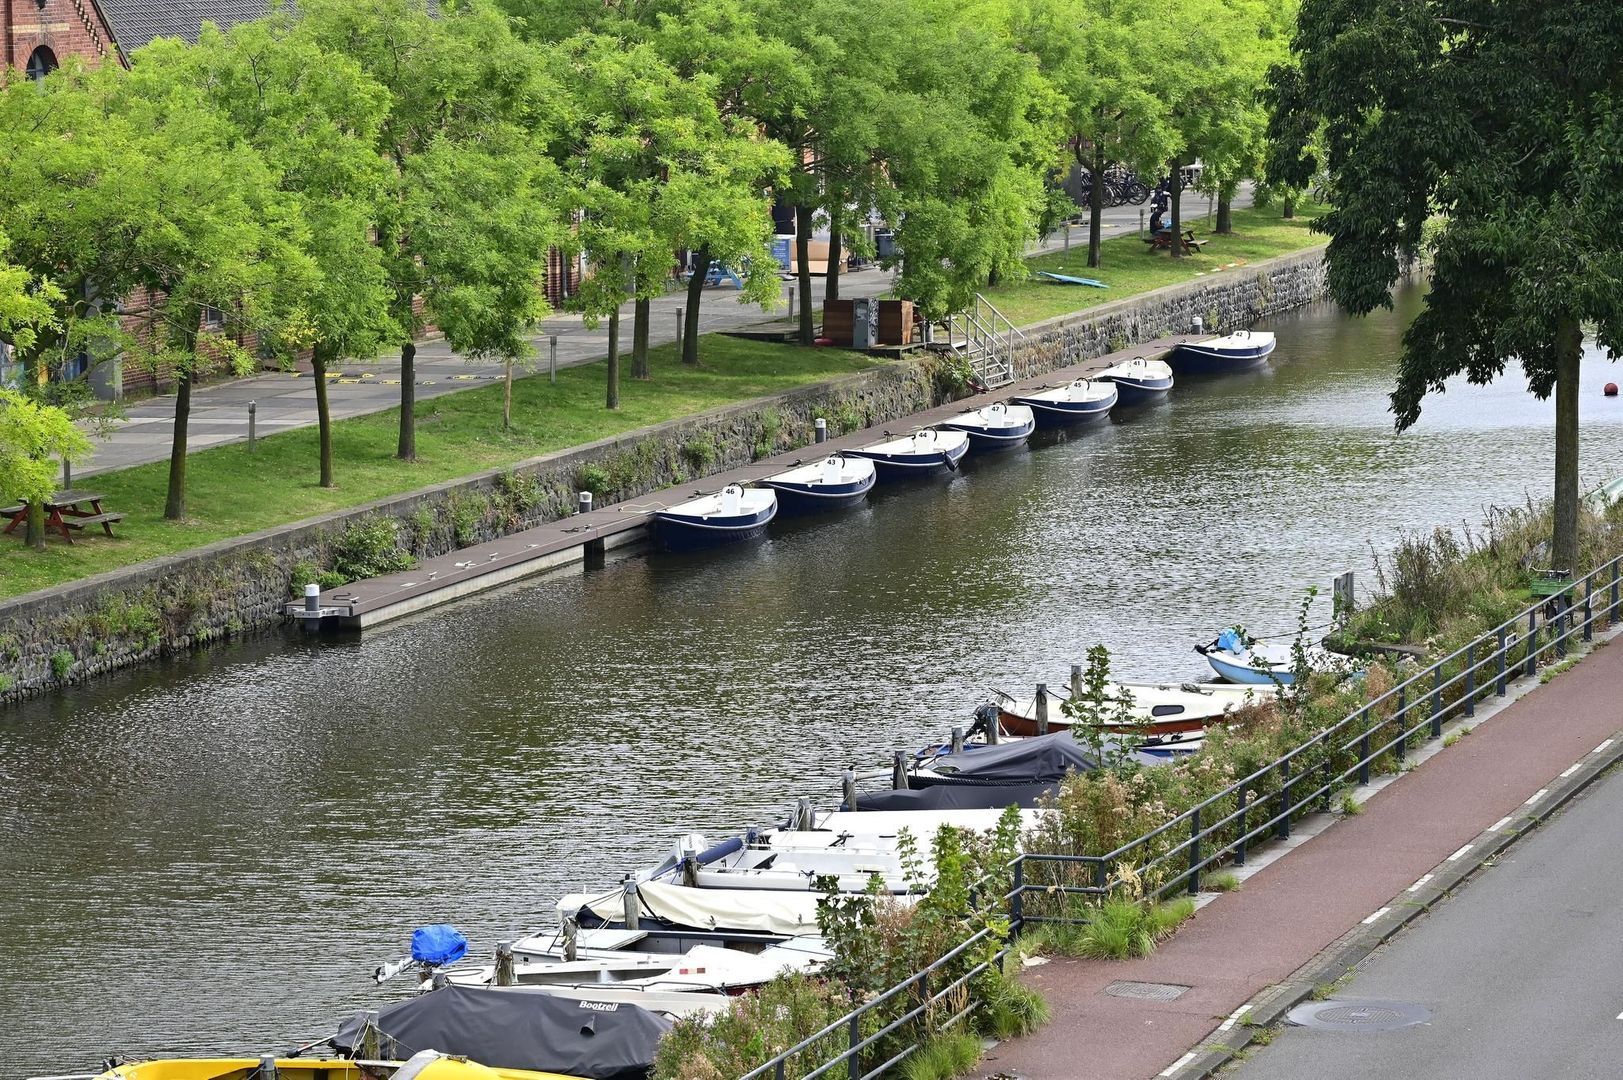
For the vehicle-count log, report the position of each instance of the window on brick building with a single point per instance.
(41, 62)
(213, 318)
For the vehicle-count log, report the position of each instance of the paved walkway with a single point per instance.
(1244, 942)
(284, 401)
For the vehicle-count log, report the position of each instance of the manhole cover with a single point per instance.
(1145, 991)
(1358, 1015)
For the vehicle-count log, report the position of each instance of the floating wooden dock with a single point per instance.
(574, 544)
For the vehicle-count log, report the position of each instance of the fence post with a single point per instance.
(1470, 679)
(1324, 784)
(1562, 606)
(1589, 610)
(1499, 684)
(1239, 846)
(1437, 701)
(1532, 644)
(1017, 902)
(1363, 756)
(1612, 615)
(1101, 877)
(1402, 716)
(1283, 829)
(853, 1059)
(1194, 851)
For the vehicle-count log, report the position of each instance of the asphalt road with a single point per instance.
(1522, 972)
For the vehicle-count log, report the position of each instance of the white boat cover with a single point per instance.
(786, 913)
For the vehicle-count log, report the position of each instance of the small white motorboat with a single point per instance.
(1073, 403)
(1139, 380)
(734, 513)
(919, 454)
(833, 483)
(1244, 660)
(994, 427)
(1156, 710)
(1238, 351)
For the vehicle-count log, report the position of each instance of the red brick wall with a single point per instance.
(66, 27)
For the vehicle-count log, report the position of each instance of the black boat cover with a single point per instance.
(518, 1029)
(1044, 759)
(957, 797)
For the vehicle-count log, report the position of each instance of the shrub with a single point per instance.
(61, 663)
(6, 683)
(1350, 806)
(370, 549)
(594, 478)
(306, 572)
(699, 452)
(756, 1027)
(943, 1057)
(1011, 1008)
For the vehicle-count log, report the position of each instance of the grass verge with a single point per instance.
(233, 490)
(1128, 267)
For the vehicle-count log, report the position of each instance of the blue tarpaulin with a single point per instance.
(438, 945)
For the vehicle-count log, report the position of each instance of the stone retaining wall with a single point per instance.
(72, 632)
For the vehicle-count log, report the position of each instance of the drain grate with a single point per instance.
(1358, 1015)
(1143, 991)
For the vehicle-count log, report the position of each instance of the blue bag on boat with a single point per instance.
(1231, 641)
(438, 945)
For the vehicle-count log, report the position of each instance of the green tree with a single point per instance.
(1500, 119)
(32, 436)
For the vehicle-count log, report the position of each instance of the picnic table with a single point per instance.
(64, 512)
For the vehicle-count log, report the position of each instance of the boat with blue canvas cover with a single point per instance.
(833, 483)
(1239, 658)
(1239, 351)
(1074, 403)
(924, 452)
(1139, 380)
(994, 427)
(734, 513)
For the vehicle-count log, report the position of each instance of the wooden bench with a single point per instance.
(63, 514)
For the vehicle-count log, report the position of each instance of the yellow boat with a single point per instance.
(425, 1066)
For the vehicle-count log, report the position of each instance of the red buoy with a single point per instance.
(1611, 389)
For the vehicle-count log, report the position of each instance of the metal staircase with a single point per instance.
(987, 339)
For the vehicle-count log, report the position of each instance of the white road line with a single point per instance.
(1421, 884)
(1461, 852)
(1570, 769)
(1376, 915)
(1234, 1018)
(1180, 1063)
(1536, 796)
(1500, 824)
(1602, 746)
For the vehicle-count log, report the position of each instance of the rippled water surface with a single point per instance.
(211, 855)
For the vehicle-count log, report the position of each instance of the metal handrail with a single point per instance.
(1506, 639)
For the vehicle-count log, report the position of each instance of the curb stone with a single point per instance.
(1268, 1008)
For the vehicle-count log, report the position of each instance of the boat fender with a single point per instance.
(720, 851)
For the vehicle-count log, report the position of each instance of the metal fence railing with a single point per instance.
(1172, 857)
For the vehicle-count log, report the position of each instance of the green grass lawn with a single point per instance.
(232, 490)
(1129, 268)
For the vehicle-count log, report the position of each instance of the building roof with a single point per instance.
(136, 22)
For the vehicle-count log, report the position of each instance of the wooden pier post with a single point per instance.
(632, 912)
(370, 1051)
(267, 1067)
(957, 740)
(504, 963)
(848, 786)
(690, 870)
(994, 728)
(1041, 704)
(1076, 684)
(571, 939)
(898, 772)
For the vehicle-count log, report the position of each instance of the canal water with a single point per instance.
(212, 854)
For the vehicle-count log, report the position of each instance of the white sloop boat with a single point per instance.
(731, 514)
(994, 427)
(1073, 403)
(1232, 352)
(1157, 709)
(919, 454)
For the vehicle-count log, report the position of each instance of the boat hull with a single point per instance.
(1049, 414)
(798, 499)
(905, 466)
(1139, 391)
(1191, 359)
(679, 532)
(983, 440)
(1247, 675)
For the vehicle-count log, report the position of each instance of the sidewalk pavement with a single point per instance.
(1246, 941)
(284, 400)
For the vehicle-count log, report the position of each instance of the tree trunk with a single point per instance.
(407, 450)
(613, 399)
(1287, 207)
(507, 394)
(1096, 210)
(1225, 214)
(690, 314)
(803, 228)
(836, 257)
(1177, 213)
(318, 366)
(1569, 346)
(35, 535)
(174, 506)
(639, 337)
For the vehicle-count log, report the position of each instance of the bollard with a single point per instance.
(1041, 704)
(791, 302)
(504, 963)
(898, 772)
(1141, 221)
(552, 358)
(957, 740)
(571, 939)
(583, 503)
(822, 430)
(370, 1050)
(848, 785)
(680, 324)
(312, 607)
(1076, 684)
(803, 814)
(267, 1067)
(632, 915)
(67, 475)
(253, 408)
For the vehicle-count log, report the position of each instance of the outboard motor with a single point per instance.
(985, 717)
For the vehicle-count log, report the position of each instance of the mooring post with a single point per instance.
(552, 358)
(1342, 601)
(312, 608)
(267, 1067)
(994, 729)
(1076, 683)
(252, 409)
(821, 427)
(690, 869)
(957, 740)
(504, 963)
(583, 503)
(571, 939)
(898, 772)
(370, 1051)
(1041, 703)
(631, 909)
(848, 787)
